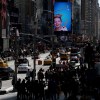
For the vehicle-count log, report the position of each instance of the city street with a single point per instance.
(50, 49)
(7, 84)
(9, 96)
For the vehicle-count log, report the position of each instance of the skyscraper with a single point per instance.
(77, 17)
(25, 13)
(89, 18)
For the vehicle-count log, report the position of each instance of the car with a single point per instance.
(6, 73)
(3, 63)
(22, 60)
(63, 56)
(24, 67)
(75, 61)
(47, 61)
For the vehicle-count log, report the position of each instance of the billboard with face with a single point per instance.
(62, 16)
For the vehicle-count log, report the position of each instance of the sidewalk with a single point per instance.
(6, 86)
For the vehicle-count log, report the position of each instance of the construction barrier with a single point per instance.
(39, 62)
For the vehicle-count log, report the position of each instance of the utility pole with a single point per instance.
(34, 43)
(16, 53)
(52, 33)
(53, 42)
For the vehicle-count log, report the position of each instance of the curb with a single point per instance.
(5, 91)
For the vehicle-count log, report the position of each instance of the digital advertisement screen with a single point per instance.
(62, 16)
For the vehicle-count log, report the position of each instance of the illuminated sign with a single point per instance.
(62, 16)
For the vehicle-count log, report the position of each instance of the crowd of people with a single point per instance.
(75, 84)
(81, 83)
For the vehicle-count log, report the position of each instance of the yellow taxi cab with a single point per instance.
(47, 61)
(5, 71)
(63, 56)
(3, 63)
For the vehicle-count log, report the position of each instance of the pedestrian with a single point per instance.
(64, 88)
(28, 74)
(41, 90)
(13, 82)
(58, 89)
(40, 74)
(36, 89)
(18, 87)
(50, 89)
(32, 88)
(23, 87)
(28, 89)
(46, 75)
(89, 55)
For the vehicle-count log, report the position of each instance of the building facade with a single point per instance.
(13, 17)
(4, 41)
(26, 14)
(89, 18)
(99, 23)
(76, 17)
(21, 5)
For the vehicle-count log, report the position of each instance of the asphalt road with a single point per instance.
(9, 96)
(7, 83)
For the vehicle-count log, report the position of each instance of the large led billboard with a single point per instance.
(62, 16)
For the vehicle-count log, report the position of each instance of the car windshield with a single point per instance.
(22, 60)
(23, 64)
(5, 69)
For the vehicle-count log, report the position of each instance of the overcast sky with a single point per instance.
(99, 2)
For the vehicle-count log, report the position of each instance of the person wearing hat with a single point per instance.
(58, 23)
